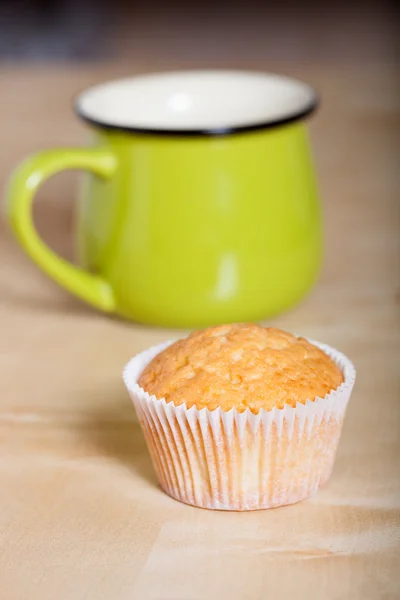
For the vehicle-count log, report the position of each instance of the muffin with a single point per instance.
(241, 417)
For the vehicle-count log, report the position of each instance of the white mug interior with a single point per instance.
(197, 101)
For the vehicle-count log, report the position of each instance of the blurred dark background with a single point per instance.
(192, 32)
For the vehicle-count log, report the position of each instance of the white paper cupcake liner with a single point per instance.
(241, 461)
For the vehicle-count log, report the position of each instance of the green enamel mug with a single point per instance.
(199, 205)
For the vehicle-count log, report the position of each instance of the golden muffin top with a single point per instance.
(240, 366)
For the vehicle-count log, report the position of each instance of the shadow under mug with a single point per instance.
(200, 206)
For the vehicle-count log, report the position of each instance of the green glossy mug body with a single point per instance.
(186, 230)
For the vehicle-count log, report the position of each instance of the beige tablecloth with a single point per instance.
(81, 516)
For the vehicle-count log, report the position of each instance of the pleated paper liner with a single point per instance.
(241, 461)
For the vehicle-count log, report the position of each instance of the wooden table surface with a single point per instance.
(81, 516)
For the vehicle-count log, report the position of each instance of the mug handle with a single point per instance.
(23, 185)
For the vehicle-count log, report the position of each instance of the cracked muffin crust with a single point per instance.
(241, 366)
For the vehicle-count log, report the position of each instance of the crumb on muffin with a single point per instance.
(241, 366)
